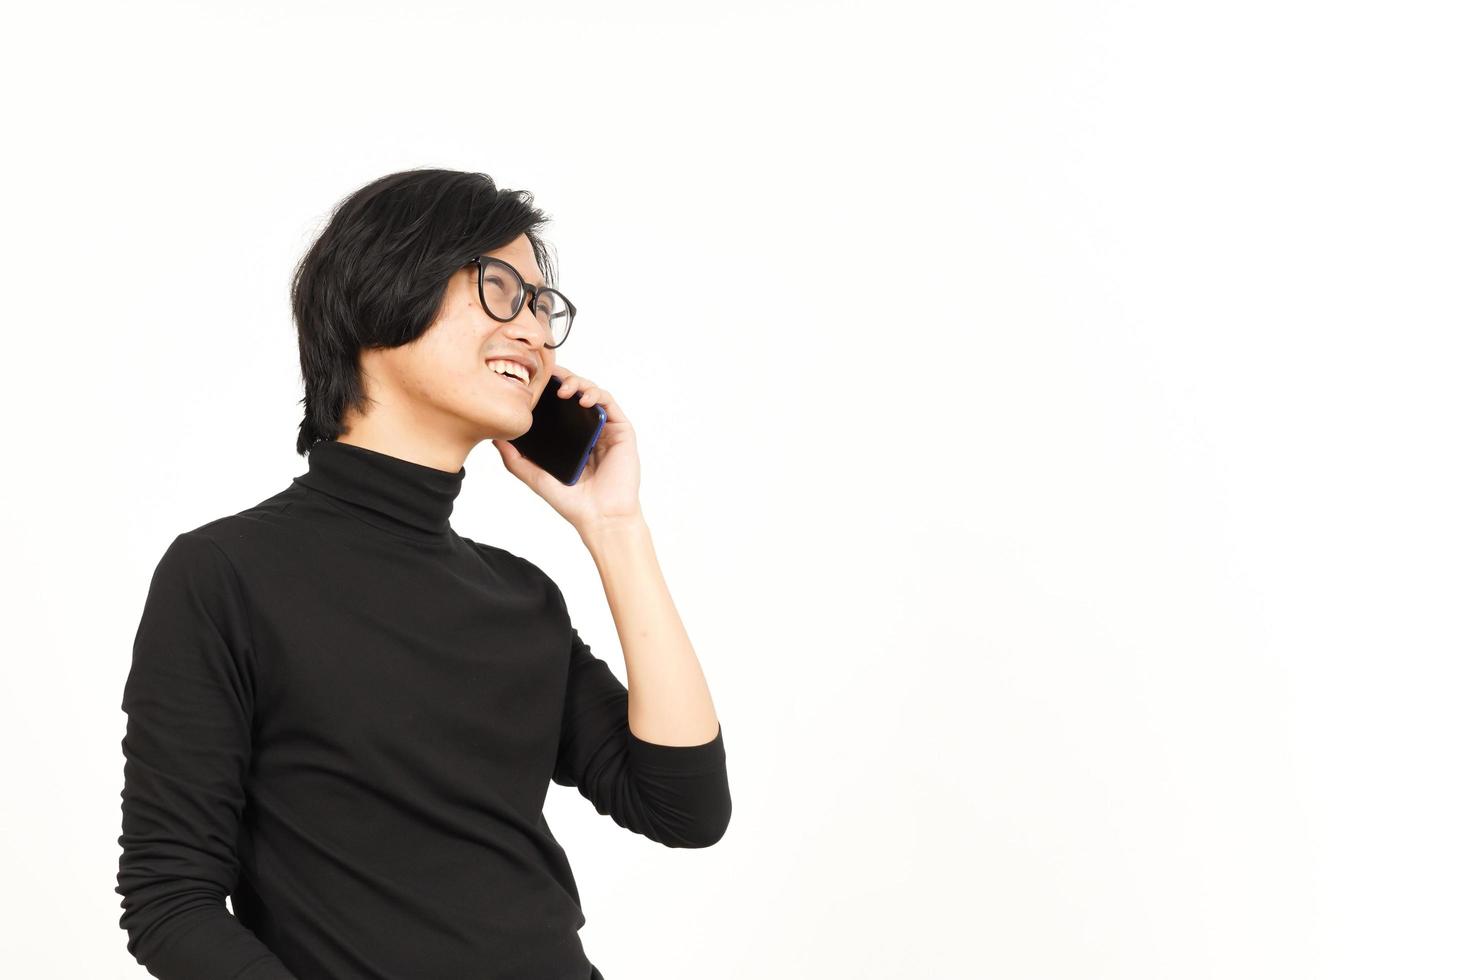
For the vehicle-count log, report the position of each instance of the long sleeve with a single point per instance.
(677, 795)
(189, 699)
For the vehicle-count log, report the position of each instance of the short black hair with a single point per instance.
(376, 275)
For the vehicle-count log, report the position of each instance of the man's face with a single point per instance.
(443, 379)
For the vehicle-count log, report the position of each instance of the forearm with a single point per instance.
(669, 702)
(207, 942)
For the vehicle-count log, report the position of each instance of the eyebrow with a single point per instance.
(523, 275)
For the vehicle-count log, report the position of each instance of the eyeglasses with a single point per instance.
(503, 291)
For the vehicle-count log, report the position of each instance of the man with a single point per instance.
(345, 715)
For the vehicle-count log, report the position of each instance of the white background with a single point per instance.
(1053, 432)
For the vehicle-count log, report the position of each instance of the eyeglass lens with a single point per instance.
(501, 293)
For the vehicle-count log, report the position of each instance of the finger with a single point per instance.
(590, 395)
(583, 386)
(615, 412)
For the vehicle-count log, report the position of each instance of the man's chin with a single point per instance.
(505, 426)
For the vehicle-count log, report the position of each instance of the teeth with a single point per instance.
(512, 368)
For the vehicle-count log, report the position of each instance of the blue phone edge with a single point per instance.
(587, 453)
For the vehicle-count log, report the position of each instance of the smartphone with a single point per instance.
(562, 434)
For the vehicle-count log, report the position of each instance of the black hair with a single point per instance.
(376, 275)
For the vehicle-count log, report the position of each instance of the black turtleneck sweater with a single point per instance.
(346, 716)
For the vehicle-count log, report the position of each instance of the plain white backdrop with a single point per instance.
(1052, 419)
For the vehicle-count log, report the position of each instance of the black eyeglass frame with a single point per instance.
(481, 261)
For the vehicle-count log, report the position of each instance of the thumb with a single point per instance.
(510, 454)
(516, 462)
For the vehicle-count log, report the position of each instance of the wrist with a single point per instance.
(611, 531)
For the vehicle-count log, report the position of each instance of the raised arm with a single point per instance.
(189, 699)
(677, 795)
(652, 757)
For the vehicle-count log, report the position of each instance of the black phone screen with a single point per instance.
(562, 434)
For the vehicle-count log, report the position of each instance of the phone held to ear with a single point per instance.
(562, 434)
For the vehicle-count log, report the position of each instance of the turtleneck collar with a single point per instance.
(417, 498)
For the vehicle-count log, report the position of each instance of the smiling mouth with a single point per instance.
(509, 377)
